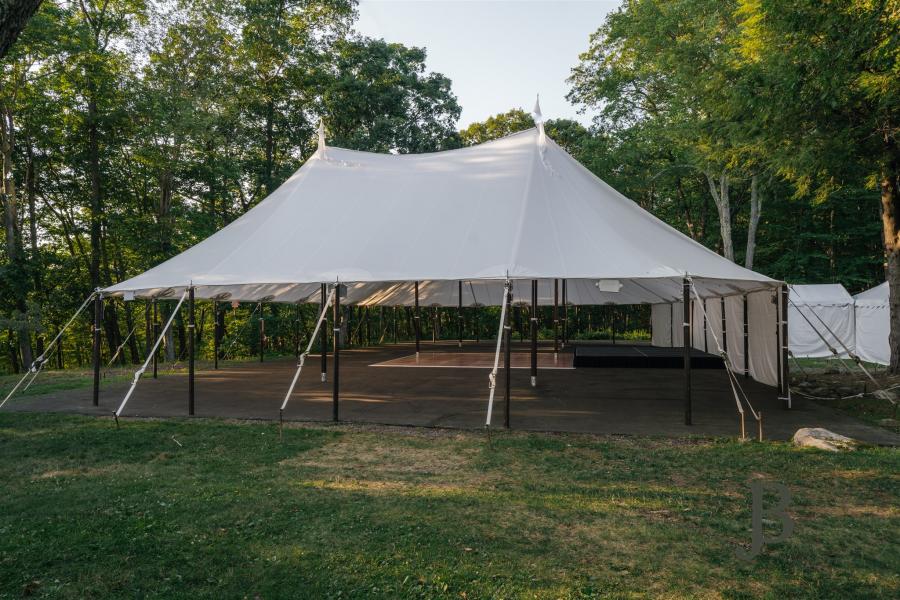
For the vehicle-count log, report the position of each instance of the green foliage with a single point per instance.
(142, 127)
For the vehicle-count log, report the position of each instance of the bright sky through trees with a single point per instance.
(498, 54)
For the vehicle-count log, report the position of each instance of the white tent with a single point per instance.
(519, 209)
(873, 324)
(820, 318)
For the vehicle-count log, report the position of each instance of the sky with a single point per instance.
(499, 54)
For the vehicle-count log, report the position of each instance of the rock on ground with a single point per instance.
(817, 437)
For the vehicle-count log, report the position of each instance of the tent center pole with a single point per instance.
(686, 349)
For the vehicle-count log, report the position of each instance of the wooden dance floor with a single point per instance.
(478, 360)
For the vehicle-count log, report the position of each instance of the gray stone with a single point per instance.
(817, 437)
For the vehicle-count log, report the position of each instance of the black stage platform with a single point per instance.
(640, 356)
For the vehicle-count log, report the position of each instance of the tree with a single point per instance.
(378, 97)
(496, 126)
(828, 103)
(667, 69)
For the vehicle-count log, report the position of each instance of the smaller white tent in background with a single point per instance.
(820, 311)
(873, 324)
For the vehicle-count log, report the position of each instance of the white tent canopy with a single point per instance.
(517, 208)
(820, 311)
(873, 324)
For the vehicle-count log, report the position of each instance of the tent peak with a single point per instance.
(320, 150)
(539, 120)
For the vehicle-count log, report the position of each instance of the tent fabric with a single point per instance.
(762, 321)
(518, 208)
(872, 316)
(834, 306)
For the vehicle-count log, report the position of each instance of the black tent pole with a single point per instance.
(459, 315)
(336, 317)
(686, 349)
(98, 316)
(297, 332)
(555, 318)
(785, 367)
(217, 334)
(155, 336)
(507, 360)
(191, 342)
(323, 334)
(148, 343)
(724, 327)
(262, 333)
(534, 331)
(416, 320)
(565, 318)
(746, 339)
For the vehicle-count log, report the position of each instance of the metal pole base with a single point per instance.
(324, 378)
(785, 402)
(534, 382)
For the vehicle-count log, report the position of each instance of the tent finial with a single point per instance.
(538, 118)
(320, 151)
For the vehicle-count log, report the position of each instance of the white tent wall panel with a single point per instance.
(804, 337)
(713, 324)
(661, 325)
(734, 326)
(762, 319)
(873, 326)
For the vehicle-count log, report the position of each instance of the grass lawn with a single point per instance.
(209, 509)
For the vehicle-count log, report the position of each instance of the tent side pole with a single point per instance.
(746, 339)
(297, 340)
(323, 336)
(147, 325)
(459, 315)
(705, 325)
(217, 334)
(191, 342)
(507, 360)
(565, 318)
(155, 336)
(686, 349)
(98, 316)
(336, 334)
(555, 318)
(416, 321)
(724, 326)
(778, 373)
(262, 334)
(534, 331)
(785, 366)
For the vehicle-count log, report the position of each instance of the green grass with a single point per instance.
(209, 509)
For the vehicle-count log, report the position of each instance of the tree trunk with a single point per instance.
(96, 198)
(11, 227)
(723, 207)
(755, 209)
(890, 217)
(13, 20)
